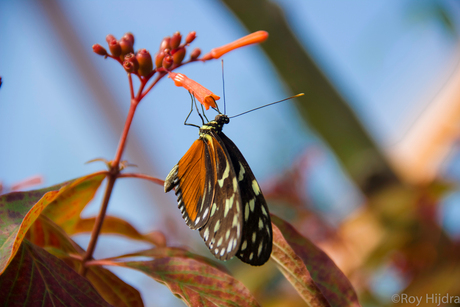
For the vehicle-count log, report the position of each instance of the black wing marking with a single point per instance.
(222, 233)
(256, 241)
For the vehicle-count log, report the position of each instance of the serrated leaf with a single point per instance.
(66, 209)
(196, 283)
(47, 234)
(19, 210)
(37, 278)
(304, 264)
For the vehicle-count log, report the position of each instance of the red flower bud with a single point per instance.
(253, 38)
(128, 66)
(178, 55)
(130, 57)
(110, 38)
(195, 53)
(115, 48)
(165, 43)
(175, 40)
(99, 49)
(159, 59)
(129, 36)
(190, 37)
(167, 62)
(202, 94)
(145, 62)
(126, 46)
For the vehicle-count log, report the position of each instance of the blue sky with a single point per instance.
(387, 58)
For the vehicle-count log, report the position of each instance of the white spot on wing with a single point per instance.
(244, 245)
(260, 249)
(217, 226)
(255, 187)
(264, 211)
(220, 241)
(230, 247)
(242, 171)
(251, 204)
(224, 175)
(213, 209)
(235, 220)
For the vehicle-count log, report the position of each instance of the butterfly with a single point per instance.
(218, 194)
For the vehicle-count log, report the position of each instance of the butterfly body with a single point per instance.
(218, 194)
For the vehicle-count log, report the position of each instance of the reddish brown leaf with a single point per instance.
(297, 258)
(47, 234)
(171, 252)
(113, 225)
(19, 210)
(197, 283)
(37, 278)
(16, 215)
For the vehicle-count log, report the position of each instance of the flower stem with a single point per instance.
(111, 178)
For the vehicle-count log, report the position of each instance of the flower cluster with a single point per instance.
(170, 56)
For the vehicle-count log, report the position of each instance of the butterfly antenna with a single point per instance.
(295, 96)
(223, 87)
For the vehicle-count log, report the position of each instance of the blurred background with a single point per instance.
(366, 164)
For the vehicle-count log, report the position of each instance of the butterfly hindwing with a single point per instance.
(256, 241)
(223, 231)
(193, 177)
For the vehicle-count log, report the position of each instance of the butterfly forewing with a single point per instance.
(256, 240)
(193, 177)
(223, 231)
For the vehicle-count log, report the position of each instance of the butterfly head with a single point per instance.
(222, 119)
(217, 124)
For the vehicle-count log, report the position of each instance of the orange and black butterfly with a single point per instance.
(218, 194)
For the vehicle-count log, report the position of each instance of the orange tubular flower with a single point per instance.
(202, 94)
(253, 38)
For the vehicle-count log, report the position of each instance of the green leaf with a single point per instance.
(47, 234)
(197, 283)
(308, 268)
(37, 278)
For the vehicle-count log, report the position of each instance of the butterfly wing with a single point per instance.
(256, 241)
(222, 233)
(193, 177)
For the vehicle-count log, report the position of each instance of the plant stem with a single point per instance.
(111, 178)
(98, 223)
(124, 135)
